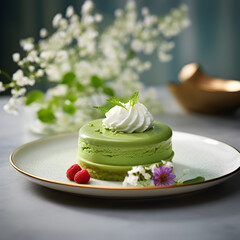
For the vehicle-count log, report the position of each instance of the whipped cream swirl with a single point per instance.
(132, 119)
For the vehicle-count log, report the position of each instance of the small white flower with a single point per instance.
(137, 45)
(152, 167)
(148, 48)
(87, 20)
(145, 11)
(118, 13)
(63, 23)
(130, 180)
(167, 163)
(147, 65)
(19, 92)
(61, 56)
(21, 80)
(186, 23)
(98, 17)
(47, 55)
(20, 63)
(13, 105)
(32, 56)
(27, 44)
(58, 91)
(53, 73)
(39, 73)
(56, 20)
(69, 11)
(87, 7)
(18, 75)
(140, 169)
(134, 169)
(147, 176)
(31, 68)
(65, 67)
(2, 88)
(43, 32)
(184, 8)
(166, 46)
(130, 5)
(164, 57)
(16, 57)
(43, 65)
(149, 20)
(31, 82)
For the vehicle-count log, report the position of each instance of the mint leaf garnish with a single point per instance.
(102, 109)
(194, 180)
(116, 101)
(113, 101)
(134, 98)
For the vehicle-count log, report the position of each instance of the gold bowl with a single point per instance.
(199, 92)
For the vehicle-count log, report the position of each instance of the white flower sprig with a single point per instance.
(85, 66)
(142, 176)
(160, 174)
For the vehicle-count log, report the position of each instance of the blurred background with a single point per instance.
(212, 40)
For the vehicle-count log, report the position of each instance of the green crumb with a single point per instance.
(97, 130)
(91, 125)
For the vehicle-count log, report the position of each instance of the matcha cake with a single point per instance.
(108, 148)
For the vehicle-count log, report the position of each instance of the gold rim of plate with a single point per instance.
(106, 187)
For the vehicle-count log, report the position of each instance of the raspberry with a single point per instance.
(82, 176)
(72, 171)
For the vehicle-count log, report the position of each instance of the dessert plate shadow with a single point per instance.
(46, 160)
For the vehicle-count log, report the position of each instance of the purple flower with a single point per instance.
(163, 176)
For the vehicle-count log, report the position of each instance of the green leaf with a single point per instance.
(116, 101)
(80, 87)
(46, 115)
(71, 97)
(124, 99)
(69, 107)
(108, 91)
(69, 78)
(102, 109)
(194, 180)
(96, 81)
(5, 74)
(134, 98)
(34, 96)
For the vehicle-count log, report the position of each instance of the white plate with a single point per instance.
(46, 160)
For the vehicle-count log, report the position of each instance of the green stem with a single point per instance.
(6, 75)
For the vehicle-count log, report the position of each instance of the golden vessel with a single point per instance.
(199, 92)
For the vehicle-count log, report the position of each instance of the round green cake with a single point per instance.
(109, 155)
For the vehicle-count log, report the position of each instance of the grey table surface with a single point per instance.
(29, 211)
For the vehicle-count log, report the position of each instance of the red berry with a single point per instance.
(72, 171)
(82, 176)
